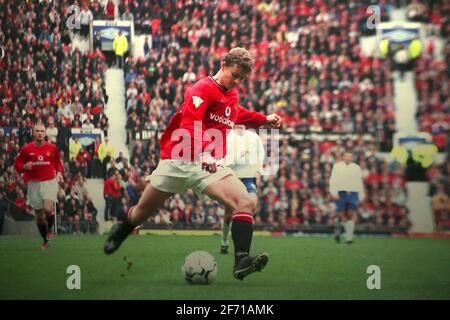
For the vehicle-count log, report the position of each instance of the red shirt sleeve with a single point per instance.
(251, 119)
(20, 161)
(57, 159)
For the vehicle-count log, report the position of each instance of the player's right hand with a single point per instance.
(208, 162)
(273, 120)
(28, 165)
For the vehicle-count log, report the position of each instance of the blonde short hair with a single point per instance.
(240, 57)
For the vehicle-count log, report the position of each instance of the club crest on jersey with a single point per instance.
(197, 101)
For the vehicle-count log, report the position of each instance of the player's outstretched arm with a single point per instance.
(253, 119)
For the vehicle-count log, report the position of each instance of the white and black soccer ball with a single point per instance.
(199, 267)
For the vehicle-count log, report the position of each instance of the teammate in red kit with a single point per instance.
(191, 146)
(40, 164)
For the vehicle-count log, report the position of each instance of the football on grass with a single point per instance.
(199, 267)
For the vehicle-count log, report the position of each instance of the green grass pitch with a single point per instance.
(299, 268)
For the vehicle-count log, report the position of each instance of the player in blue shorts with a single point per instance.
(347, 188)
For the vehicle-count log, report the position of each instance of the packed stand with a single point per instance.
(431, 72)
(299, 195)
(432, 84)
(433, 113)
(297, 198)
(44, 80)
(309, 65)
(309, 68)
(437, 176)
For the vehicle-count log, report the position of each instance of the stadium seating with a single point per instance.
(44, 79)
(431, 82)
(313, 73)
(309, 68)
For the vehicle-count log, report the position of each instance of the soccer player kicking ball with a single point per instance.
(347, 188)
(245, 156)
(190, 147)
(40, 164)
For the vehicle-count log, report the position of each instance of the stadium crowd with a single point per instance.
(431, 72)
(431, 77)
(45, 80)
(309, 68)
(432, 85)
(309, 65)
(297, 197)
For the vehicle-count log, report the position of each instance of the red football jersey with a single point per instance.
(45, 159)
(204, 120)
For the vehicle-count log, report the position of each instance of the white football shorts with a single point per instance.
(42, 190)
(176, 176)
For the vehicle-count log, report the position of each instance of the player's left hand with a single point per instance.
(273, 120)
